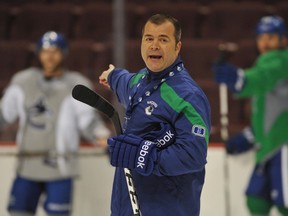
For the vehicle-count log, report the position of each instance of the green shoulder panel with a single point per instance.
(179, 105)
(136, 78)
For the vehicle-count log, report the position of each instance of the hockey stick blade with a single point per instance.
(87, 96)
(91, 98)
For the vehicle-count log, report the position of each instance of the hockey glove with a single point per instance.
(230, 75)
(240, 142)
(133, 152)
(163, 135)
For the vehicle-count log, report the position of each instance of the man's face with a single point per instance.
(267, 42)
(158, 48)
(51, 59)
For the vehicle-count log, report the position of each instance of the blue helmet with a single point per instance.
(51, 39)
(271, 24)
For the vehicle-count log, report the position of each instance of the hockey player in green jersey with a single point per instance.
(266, 83)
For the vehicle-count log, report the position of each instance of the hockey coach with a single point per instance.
(166, 128)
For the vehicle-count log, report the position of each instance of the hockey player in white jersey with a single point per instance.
(50, 125)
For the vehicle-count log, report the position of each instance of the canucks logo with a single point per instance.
(38, 114)
(151, 107)
(198, 130)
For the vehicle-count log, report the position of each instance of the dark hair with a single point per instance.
(159, 19)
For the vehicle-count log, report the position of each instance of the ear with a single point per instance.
(178, 46)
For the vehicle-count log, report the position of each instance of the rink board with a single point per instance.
(93, 188)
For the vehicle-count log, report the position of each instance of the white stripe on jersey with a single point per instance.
(284, 165)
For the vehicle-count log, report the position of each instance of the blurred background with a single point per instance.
(109, 31)
(105, 31)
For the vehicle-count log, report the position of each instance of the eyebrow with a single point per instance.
(162, 35)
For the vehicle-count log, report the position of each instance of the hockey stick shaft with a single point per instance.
(56, 155)
(225, 52)
(89, 97)
(224, 121)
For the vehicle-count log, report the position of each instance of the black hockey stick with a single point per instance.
(89, 97)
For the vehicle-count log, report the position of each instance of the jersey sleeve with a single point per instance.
(119, 81)
(191, 119)
(11, 103)
(264, 76)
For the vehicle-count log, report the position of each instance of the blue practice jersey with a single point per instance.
(173, 97)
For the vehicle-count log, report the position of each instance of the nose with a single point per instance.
(155, 45)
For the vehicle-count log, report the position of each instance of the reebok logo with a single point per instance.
(142, 154)
(167, 137)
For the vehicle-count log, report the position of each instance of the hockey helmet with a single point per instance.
(271, 24)
(52, 39)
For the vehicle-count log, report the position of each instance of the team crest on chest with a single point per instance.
(151, 106)
(38, 113)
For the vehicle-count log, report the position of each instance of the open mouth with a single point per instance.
(155, 57)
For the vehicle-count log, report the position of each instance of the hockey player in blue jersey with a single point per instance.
(166, 129)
